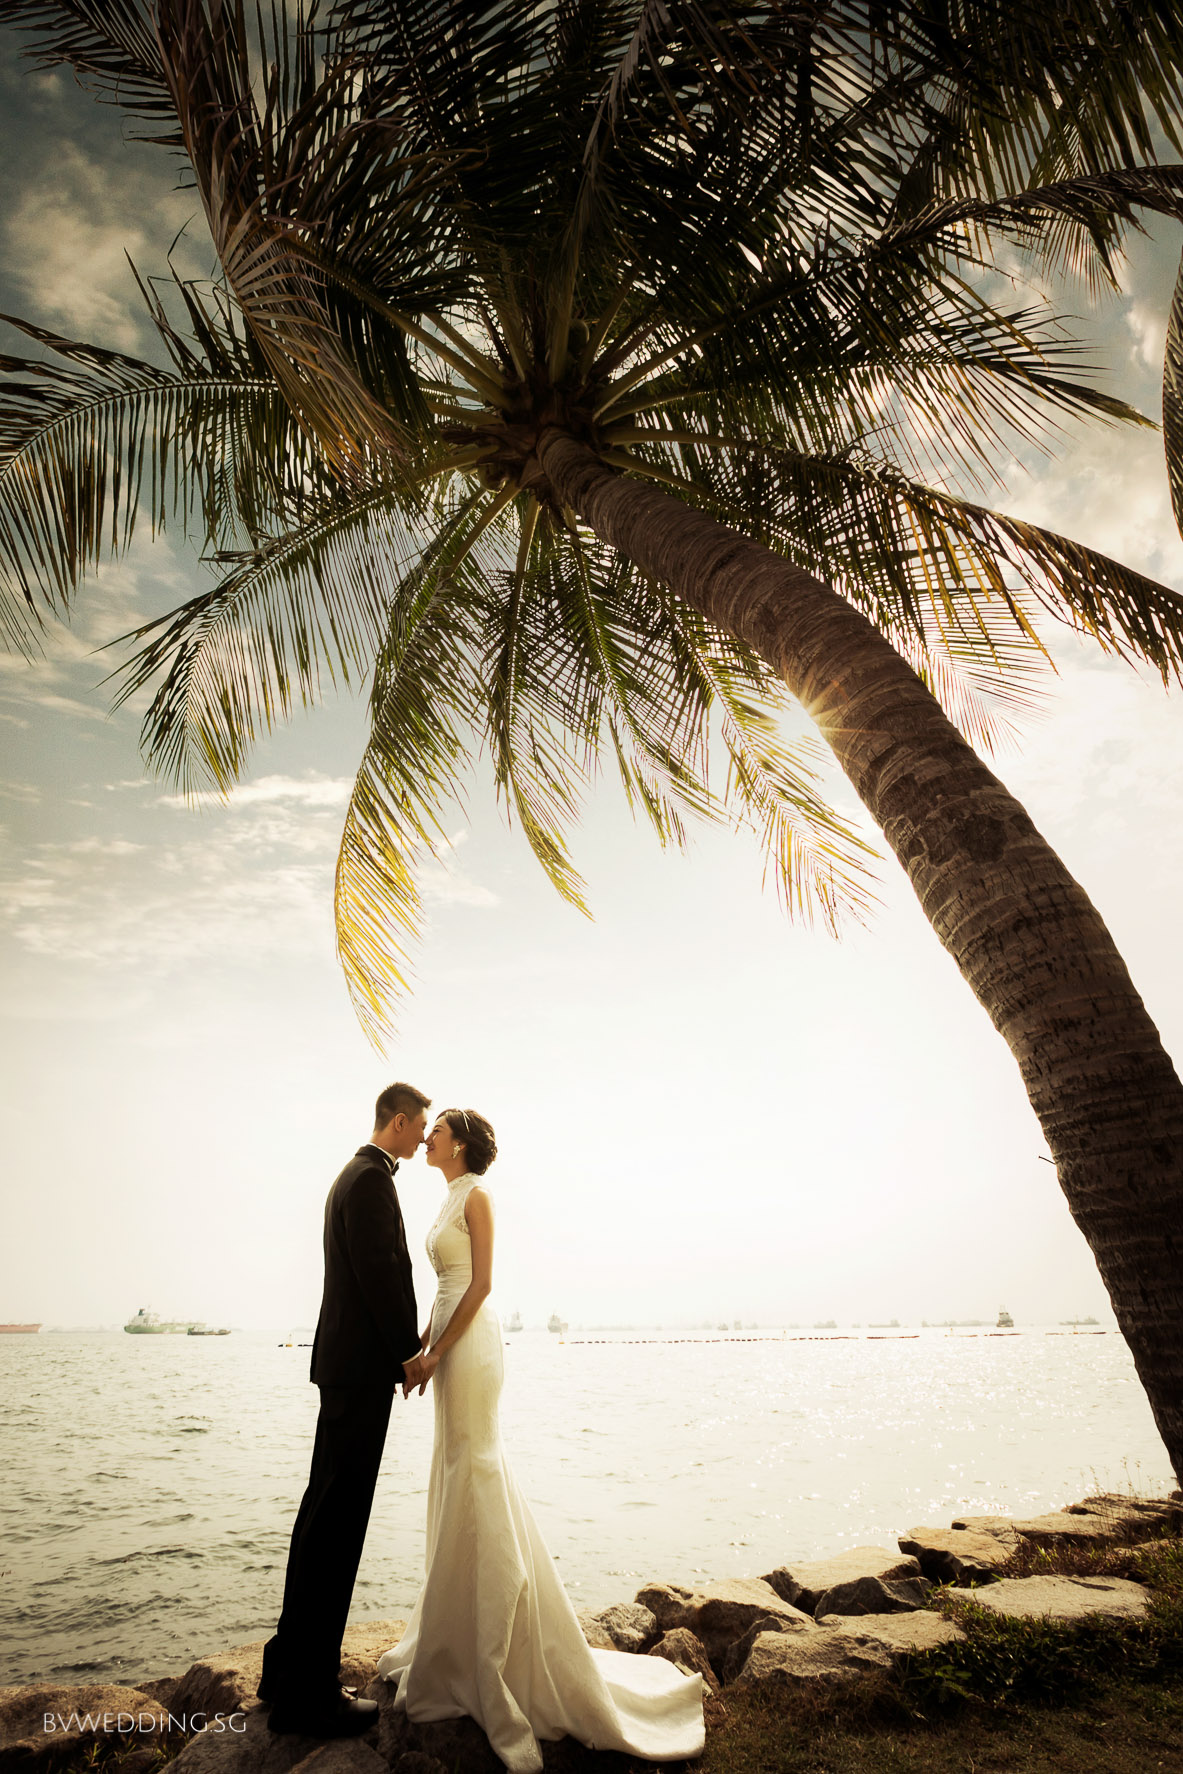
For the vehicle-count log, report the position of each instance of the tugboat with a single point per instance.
(555, 1323)
(1005, 1321)
(146, 1324)
(201, 1330)
(514, 1322)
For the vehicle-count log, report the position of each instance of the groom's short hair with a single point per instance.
(399, 1099)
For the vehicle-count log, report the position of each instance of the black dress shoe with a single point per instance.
(263, 1692)
(350, 1719)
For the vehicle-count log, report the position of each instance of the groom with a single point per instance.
(367, 1341)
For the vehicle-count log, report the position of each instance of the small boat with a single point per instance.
(1005, 1321)
(201, 1330)
(514, 1322)
(147, 1324)
(19, 1330)
(555, 1323)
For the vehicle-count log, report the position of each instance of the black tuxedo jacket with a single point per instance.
(368, 1324)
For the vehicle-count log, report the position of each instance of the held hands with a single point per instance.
(413, 1375)
(428, 1362)
(418, 1371)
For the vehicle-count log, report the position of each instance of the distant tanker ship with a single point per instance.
(146, 1324)
(20, 1330)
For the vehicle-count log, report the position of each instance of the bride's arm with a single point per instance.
(478, 1211)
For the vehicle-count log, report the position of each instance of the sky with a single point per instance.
(703, 1110)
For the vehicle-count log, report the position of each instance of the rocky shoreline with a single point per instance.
(820, 1624)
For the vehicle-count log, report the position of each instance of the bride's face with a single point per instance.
(438, 1146)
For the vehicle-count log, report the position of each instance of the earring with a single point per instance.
(455, 1151)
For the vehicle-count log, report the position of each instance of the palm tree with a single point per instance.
(584, 368)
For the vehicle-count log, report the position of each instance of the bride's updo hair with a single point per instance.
(476, 1136)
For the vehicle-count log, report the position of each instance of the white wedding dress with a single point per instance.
(493, 1634)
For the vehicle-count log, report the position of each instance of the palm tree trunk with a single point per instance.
(1024, 934)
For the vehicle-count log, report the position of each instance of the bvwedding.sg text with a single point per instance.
(121, 1723)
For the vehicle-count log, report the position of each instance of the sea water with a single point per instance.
(150, 1483)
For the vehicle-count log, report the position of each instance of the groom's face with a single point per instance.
(409, 1137)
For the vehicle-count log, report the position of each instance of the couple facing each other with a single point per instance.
(493, 1635)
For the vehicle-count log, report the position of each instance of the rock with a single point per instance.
(955, 1555)
(593, 1631)
(630, 1626)
(459, 1744)
(822, 1656)
(1131, 1517)
(78, 1717)
(226, 1682)
(162, 1689)
(141, 1761)
(415, 1761)
(688, 1653)
(1000, 1526)
(1065, 1598)
(1062, 1529)
(253, 1749)
(343, 1756)
(875, 1595)
(802, 1584)
(223, 1682)
(736, 1655)
(720, 1613)
(899, 1633)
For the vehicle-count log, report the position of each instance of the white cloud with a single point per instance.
(68, 236)
(306, 791)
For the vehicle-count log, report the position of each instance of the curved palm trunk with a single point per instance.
(1024, 934)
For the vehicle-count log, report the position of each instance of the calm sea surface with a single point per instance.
(149, 1483)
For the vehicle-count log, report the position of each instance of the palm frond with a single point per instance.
(90, 441)
(110, 44)
(308, 607)
(427, 694)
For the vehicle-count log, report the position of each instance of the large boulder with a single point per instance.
(955, 1555)
(720, 1613)
(818, 1657)
(802, 1584)
(899, 1634)
(736, 1654)
(594, 1631)
(1131, 1518)
(226, 1681)
(43, 1727)
(630, 1626)
(1061, 1529)
(1065, 1598)
(1000, 1526)
(459, 1744)
(250, 1748)
(875, 1595)
(688, 1653)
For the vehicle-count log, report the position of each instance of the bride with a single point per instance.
(493, 1634)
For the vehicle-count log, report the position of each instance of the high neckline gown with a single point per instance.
(493, 1634)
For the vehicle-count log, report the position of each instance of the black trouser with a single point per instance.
(301, 1663)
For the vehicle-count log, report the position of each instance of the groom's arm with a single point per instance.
(377, 1245)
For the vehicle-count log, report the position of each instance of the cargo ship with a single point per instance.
(19, 1330)
(146, 1324)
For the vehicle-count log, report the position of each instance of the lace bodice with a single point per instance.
(449, 1243)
